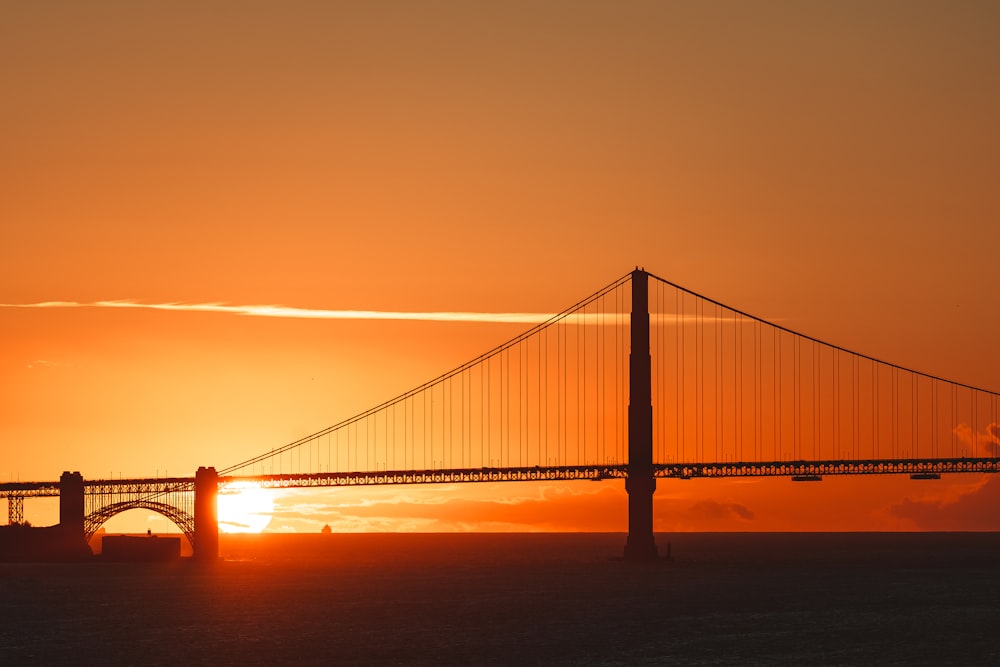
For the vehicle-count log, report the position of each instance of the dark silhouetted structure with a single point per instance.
(206, 515)
(71, 506)
(640, 483)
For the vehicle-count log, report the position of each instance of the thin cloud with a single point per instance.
(326, 314)
(982, 443)
(972, 511)
(299, 313)
(710, 510)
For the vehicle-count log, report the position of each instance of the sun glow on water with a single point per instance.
(244, 508)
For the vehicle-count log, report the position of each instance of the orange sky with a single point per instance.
(833, 167)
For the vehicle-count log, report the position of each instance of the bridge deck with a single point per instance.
(528, 474)
(98, 487)
(601, 472)
(29, 489)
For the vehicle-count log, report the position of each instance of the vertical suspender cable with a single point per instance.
(835, 403)
(564, 388)
(701, 380)
(739, 388)
(582, 387)
(875, 411)
(895, 414)
(683, 379)
(814, 358)
(796, 399)
(975, 423)
(737, 394)
(507, 441)
(757, 398)
(678, 323)
(776, 351)
(545, 402)
(914, 417)
(541, 398)
(934, 449)
(719, 400)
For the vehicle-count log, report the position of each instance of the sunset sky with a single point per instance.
(832, 166)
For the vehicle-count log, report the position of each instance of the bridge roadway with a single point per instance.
(715, 470)
(139, 486)
(620, 471)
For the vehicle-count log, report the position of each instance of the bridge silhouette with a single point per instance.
(643, 379)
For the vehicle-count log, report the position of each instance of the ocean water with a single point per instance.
(521, 599)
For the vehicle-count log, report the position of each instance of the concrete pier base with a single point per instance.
(206, 515)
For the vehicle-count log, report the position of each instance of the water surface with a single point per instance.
(536, 599)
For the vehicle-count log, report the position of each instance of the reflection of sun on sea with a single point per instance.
(244, 508)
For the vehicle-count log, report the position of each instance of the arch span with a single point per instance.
(182, 519)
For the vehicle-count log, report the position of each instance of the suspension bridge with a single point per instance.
(641, 380)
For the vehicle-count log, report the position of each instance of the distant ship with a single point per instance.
(326, 529)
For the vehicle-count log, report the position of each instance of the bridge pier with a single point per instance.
(640, 483)
(206, 515)
(71, 508)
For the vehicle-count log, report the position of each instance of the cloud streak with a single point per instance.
(972, 511)
(299, 313)
(396, 315)
(982, 443)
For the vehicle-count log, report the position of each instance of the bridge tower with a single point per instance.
(640, 483)
(71, 508)
(206, 515)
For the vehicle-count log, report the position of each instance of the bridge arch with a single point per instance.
(182, 519)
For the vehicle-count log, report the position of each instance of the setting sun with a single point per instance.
(244, 508)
